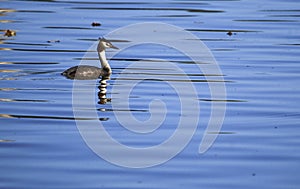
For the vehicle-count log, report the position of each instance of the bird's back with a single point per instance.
(83, 72)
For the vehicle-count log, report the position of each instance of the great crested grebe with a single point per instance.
(92, 72)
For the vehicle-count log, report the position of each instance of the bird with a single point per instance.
(86, 72)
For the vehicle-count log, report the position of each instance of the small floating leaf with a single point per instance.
(96, 24)
(10, 33)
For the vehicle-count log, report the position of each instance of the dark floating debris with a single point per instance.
(53, 41)
(103, 119)
(10, 33)
(96, 24)
(229, 33)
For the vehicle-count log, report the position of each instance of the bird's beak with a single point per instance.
(114, 47)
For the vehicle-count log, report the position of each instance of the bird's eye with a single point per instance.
(107, 44)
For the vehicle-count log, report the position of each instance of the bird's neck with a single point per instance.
(102, 58)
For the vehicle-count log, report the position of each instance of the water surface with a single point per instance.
(40, 146)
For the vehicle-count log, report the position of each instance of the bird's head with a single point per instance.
(105, 44)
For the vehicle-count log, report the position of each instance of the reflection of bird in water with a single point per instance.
(102, 96)
(102, 90)
(92, 72)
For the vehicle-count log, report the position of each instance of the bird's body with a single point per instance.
(84, 72)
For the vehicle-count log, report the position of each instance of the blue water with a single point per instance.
(257, 147)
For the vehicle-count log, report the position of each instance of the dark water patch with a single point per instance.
(220, 100)
(21, 100)
(106, 3)
(221, 30)
(280, 10)
(178, 80)
(35, 11)
(148, 9)
(222, 133)
(86, 39)
(27, 44)
(205, 11)
(136, 3)
(264, 20)
(38, 72)
(224, 49)
(178, 75)
(292, 15)
(69, 27)
(175, 16)
(220, 40)
(123, 110)
(50, 50)
(43, 117)
(142, 59)
(30, 63)
(292, 44)
(46, 90)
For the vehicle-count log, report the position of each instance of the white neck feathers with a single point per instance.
(102, 58)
